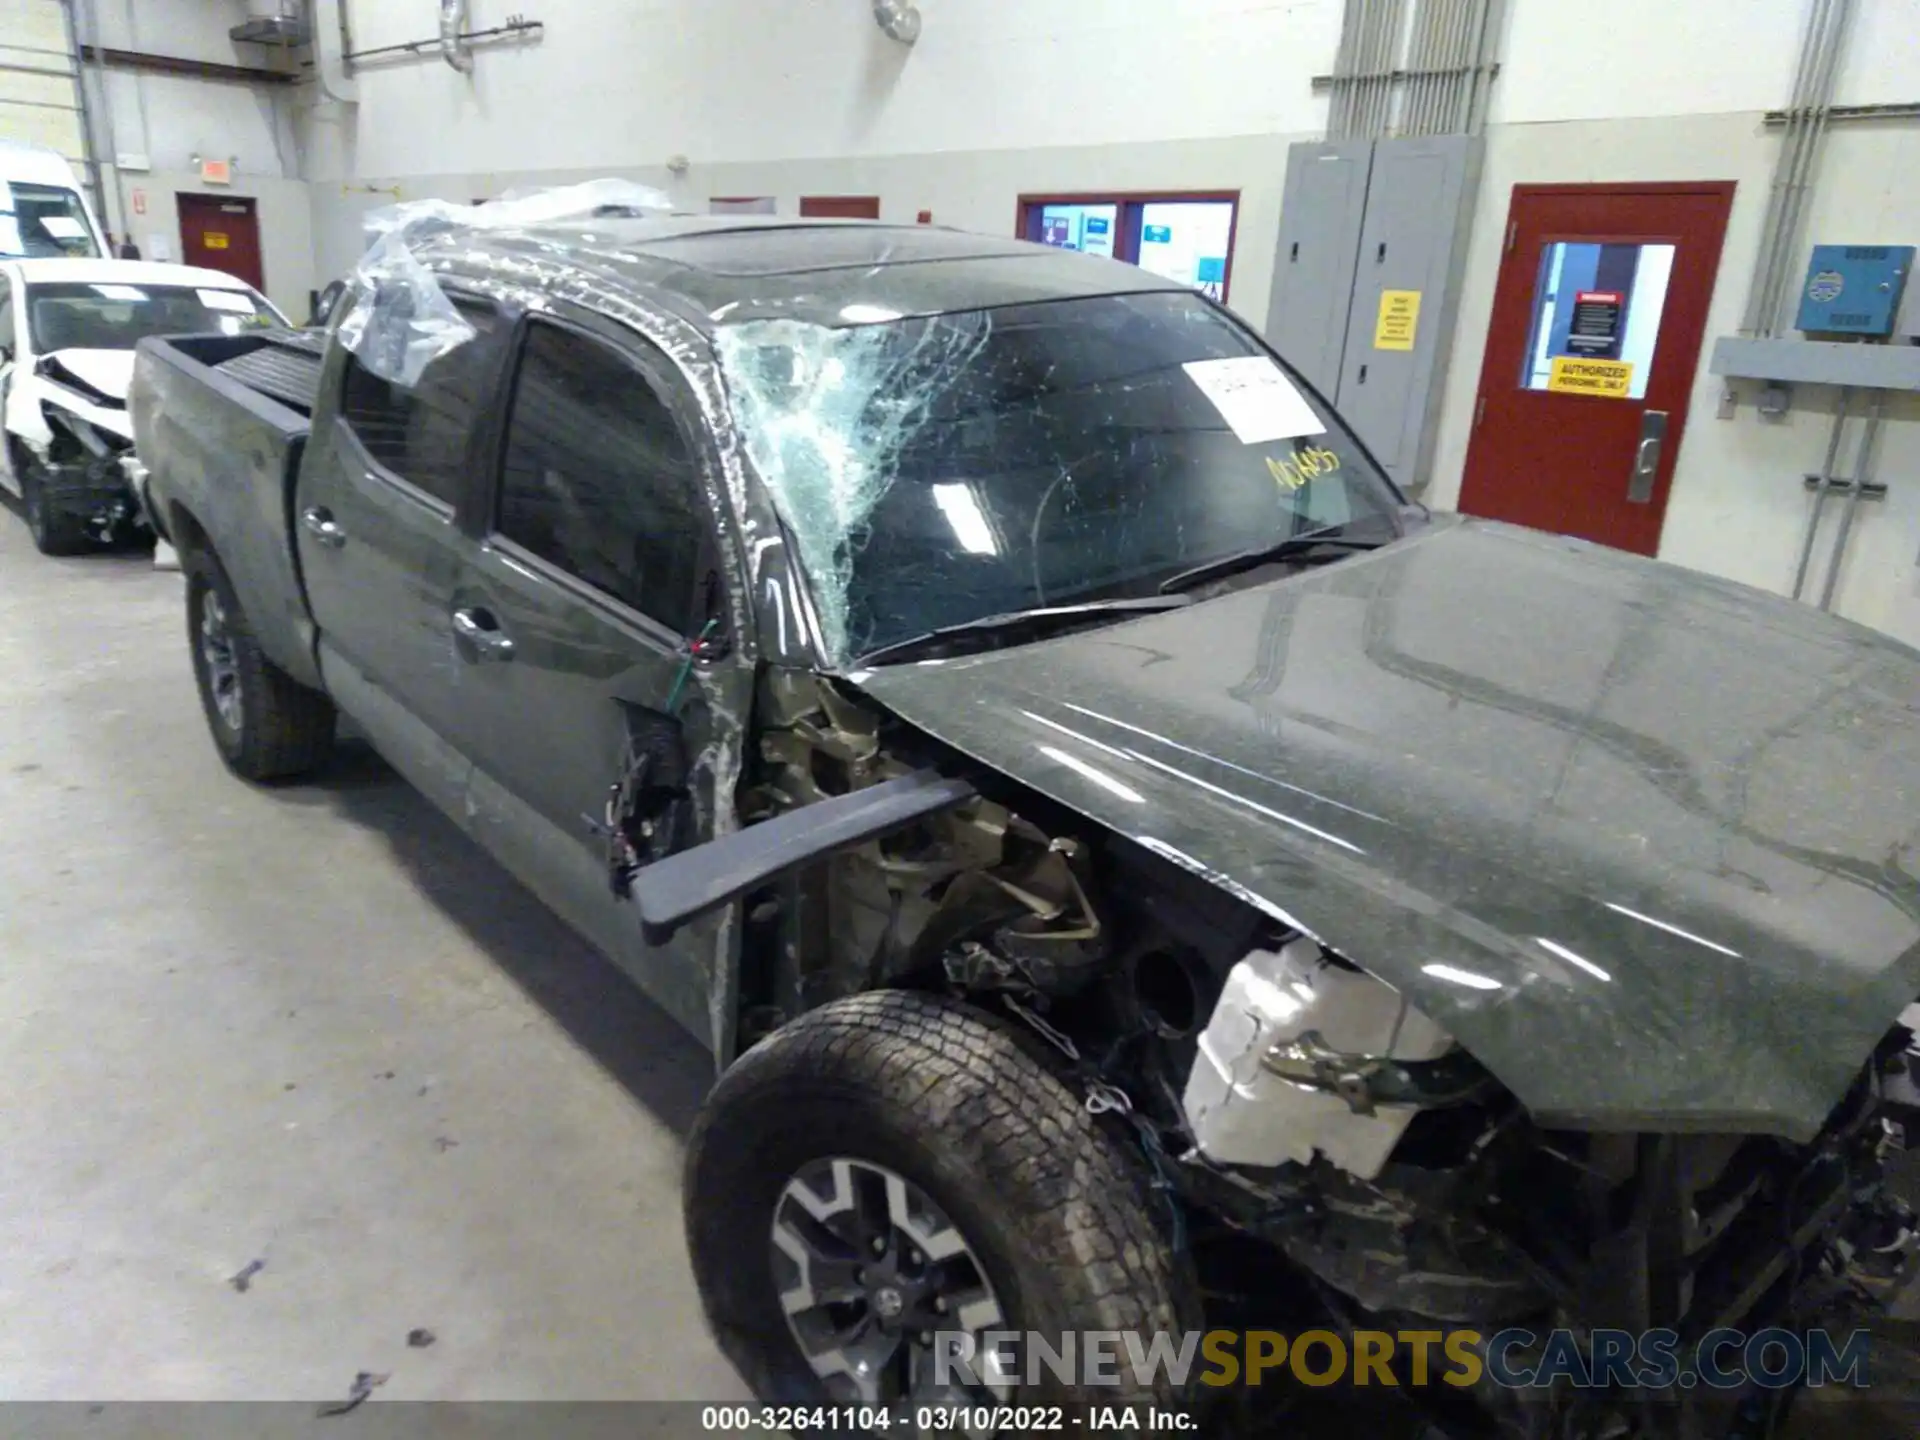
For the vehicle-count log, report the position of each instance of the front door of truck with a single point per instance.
(605, 699)
(378, 545)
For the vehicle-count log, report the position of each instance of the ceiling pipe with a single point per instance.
(1490, 19)
(77, 28)
(899, 19)
(453, 24)
(1797, 162)
(1800, 181)
(332, 44)
(1346, 65)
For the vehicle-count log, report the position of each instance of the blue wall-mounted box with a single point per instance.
(1853, 289)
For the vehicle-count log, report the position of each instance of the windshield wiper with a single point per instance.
(1293, 547)
(1014, 621)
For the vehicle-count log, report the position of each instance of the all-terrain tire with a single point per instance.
(281, 729)
(1056, 1205)
(52, 532)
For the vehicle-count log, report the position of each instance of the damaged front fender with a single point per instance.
(75, 447)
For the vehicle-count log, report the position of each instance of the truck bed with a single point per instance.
(221, 423)
(284, 367)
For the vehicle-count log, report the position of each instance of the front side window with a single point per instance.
(935, 471)
(44, 220)
(599, 479)
(114, 316)
(421, 433)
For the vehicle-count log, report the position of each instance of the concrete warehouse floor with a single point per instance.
(313, 1028)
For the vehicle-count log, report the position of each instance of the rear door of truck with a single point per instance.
(375, 522)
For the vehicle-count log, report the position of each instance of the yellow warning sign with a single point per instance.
(214, 240)
(1573, 376)
(1399, 320)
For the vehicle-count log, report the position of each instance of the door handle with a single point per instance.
(1646, 457)
(479, 630)
(323, 527)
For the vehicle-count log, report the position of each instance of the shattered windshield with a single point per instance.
(934, 471)
(102, 316)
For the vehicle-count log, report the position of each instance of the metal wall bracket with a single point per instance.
(1827, 483)
(1863, 366)
(1872, 490)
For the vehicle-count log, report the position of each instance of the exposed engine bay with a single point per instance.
(1287, 1102)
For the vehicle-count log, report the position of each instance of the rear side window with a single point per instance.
(421, 434)
(598, 478)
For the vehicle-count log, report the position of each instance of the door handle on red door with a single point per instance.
(322, 526)
(1646, 457)
(480, 631)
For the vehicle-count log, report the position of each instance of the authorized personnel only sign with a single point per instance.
(1573, 376)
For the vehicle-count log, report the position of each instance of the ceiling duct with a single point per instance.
(899, 19)
(453, 26)
(274, 22)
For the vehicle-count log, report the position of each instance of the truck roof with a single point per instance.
(52, 270)
(728, 269)
(35, 165)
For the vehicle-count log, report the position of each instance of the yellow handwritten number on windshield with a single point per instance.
(1290, 472)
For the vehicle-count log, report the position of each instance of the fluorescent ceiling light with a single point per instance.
(962, 509)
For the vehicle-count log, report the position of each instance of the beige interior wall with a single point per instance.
(284, 208)
(38, 109)
(976, 190)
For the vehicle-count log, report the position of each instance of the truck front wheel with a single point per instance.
(884, 1182)
(265, 724)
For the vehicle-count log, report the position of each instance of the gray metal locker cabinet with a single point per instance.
(1321, 211)
(1418, 213)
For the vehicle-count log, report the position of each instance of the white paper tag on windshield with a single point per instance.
(1255, 398)
(62, 227)
(131, 293)
(237, 301)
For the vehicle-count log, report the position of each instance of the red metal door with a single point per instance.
(222, 232)
(1595, 339)
(840, 207)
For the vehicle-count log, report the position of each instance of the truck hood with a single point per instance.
(1644, 841)
(108, 371)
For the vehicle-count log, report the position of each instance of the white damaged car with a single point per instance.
(68, 328)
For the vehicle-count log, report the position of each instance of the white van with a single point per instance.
(43, 211)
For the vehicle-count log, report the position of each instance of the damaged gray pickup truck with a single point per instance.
(1136, 872)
